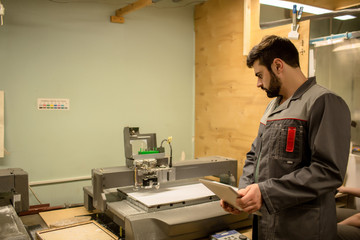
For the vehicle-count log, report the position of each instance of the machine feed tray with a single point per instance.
(170, 196)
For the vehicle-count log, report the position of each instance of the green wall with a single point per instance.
(140, 73)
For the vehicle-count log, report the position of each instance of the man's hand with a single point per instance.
(250, 200)
(229, 208)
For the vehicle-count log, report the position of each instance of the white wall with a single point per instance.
(139, 73)
(353, 175)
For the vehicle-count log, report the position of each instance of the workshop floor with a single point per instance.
(33, 223)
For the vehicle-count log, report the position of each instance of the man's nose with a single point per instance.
(259, 83)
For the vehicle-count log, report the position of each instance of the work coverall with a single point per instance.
(299, 158)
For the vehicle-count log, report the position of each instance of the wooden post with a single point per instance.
(129, 8)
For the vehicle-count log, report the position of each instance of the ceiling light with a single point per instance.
(345, 17)
(347, 47)
(307, 8)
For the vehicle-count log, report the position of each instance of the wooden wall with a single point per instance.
(228, 105)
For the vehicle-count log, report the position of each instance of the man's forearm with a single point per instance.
(354, 220)
(350, 190)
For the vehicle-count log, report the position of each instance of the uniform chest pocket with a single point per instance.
(290, 147)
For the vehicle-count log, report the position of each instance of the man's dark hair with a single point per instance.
(272, 47)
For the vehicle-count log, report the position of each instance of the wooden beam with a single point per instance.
(129, 8)
(343, 6)
(132, 7)
(116, 19)
(247, 27)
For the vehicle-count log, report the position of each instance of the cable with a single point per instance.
(168, 140)
(170, 164)
(34, 195)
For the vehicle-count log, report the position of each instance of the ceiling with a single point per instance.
(330, 4)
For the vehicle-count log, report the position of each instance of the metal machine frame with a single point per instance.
(196, 221)
(191, 219)
(14, 188)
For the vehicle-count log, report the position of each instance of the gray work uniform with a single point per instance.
(299, 158)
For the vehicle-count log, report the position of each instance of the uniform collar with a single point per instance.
(304, 87)
(298, 93)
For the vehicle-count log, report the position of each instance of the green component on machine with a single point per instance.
(148, 152)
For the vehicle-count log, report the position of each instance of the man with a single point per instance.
(349, 219)
(300, 154)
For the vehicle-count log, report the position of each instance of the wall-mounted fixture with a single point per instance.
(294, 34)
(287, 20)
(335, 38)
(306, 8)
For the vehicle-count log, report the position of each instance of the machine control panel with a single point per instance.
(229, 235)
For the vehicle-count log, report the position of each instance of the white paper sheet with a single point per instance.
(172, 194)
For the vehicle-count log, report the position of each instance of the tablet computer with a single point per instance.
(223, 191)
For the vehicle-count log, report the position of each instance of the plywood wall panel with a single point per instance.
(228, 106)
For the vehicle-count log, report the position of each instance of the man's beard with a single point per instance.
(274, 87)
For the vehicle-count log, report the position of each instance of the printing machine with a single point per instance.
(152, 198)
(14, 198)
(14, 189)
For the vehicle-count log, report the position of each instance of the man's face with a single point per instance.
(267, 80)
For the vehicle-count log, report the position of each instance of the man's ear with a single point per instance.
(278, 65)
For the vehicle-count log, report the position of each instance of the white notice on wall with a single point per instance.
(2, 126)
